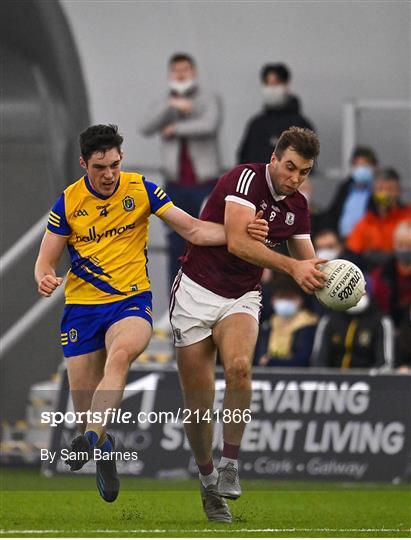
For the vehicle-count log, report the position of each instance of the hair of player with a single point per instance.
(304, 141)
(182, 57)
(388, 173)
(280, 70)
(365, 152)
(99, 138)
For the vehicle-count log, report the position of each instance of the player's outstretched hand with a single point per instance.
(48, 284)
(258, 228)
(307, 275)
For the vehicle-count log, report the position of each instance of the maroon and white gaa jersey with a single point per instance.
(222, 272)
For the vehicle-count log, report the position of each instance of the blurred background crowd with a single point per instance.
(366, 222)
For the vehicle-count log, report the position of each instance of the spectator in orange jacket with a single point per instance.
(373, 234)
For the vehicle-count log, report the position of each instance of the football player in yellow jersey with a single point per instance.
(107, 322)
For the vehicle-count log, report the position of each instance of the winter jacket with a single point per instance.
(385, 287)
(199, 129)
(374, 232)
(263, 131)
(345, 341)
(288, 343)
(331, 217)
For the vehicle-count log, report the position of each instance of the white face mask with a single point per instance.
(360, 307)
(327, 253)
(181, 87)
(285, 307)
(274, 96)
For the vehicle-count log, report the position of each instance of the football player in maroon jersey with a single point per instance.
(215, 299)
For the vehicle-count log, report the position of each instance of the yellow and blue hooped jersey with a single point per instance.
(107, 237)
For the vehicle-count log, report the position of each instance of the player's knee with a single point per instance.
(119, 362)
(239, 371)
(199, 401)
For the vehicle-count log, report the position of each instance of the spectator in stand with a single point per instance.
(328, 245)
(361, 337)
(351, 200)
(287, 338)
(391, 283)
(281, 110)
(188, 119)
(373, 234)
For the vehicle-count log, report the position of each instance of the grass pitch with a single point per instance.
(69, 506)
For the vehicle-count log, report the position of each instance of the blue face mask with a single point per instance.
(285, 307)
(362, 174)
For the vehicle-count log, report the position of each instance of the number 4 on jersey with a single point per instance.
(103, 210)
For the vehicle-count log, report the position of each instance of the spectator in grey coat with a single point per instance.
(188, 119)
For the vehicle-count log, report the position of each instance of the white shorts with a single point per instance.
(194, 310)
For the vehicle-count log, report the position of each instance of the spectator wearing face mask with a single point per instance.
(361, 337)
(281, 110)
(391, 283)
(352, 197)
(287, 339)
(328, 245)
(188, 120)
(373, 236)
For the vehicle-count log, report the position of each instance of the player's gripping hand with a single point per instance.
(307, 275)
(48, 284)
(258, 228)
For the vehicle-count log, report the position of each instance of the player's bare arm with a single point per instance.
(239, 243)
(301, 248)
(51, 249)
(207, 233)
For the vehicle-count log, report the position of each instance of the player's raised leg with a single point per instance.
(235, 337)
(125, 341)
(85, 372)
(196, 364)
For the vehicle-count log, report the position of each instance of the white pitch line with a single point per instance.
(226, 530)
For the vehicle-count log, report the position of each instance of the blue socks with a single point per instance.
(92, 438)
(106, 447)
